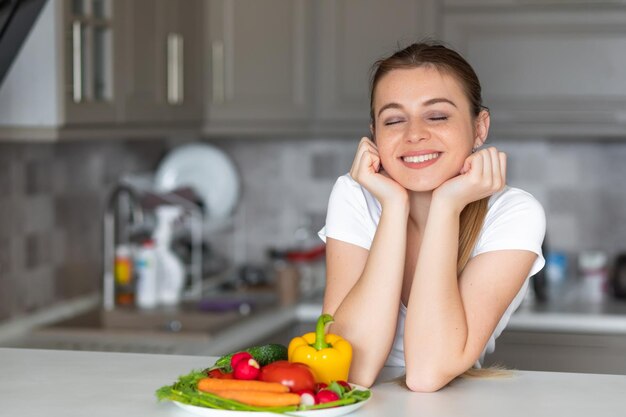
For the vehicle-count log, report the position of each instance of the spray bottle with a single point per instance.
(170, 268)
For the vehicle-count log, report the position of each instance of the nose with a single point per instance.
(417, 131)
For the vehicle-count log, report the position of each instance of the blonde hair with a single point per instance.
(470, 224)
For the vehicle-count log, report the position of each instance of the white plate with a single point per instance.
(209, 171)
(327, 412)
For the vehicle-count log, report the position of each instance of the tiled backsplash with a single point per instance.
(51, 201)
(52, 197)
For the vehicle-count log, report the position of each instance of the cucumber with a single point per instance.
(264, 355)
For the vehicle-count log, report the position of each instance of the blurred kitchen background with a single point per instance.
(96, 95)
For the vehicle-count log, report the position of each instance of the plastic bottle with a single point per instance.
(171, 272)
(124, 291)
(147, 279)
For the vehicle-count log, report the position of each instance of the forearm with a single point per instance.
(368, 314)
(436, 325)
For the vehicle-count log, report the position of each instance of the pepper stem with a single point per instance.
(320, 331)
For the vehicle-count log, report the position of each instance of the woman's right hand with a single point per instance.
(367, 171)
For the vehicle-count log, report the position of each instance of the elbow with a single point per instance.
(365, 379)
(427, 380)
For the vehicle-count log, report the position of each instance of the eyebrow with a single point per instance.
(429, 102)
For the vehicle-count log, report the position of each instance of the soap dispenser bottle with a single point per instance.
(171, 271)
(147, 278)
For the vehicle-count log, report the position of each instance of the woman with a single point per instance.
(428, 251)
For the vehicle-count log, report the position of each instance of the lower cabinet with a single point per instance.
(560, 352)
(527, 351)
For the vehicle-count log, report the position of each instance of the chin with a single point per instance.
(419, 183)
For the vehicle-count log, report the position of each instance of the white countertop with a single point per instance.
(38, 383)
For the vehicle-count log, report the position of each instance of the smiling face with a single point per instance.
(423, 126)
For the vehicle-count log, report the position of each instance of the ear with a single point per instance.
(373, 132)
(481, 128)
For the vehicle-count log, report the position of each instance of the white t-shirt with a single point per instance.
(514, 220)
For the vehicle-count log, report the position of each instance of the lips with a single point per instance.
(420, 159)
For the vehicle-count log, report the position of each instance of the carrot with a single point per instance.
(260, 398)
(214, 384)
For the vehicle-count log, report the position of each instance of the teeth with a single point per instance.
(420, 158)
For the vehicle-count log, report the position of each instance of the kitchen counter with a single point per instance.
(51, 383)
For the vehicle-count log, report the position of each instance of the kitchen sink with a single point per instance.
(184, 330)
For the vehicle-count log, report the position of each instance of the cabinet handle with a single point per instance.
(217, 54)
(175, 69)
(77, 61)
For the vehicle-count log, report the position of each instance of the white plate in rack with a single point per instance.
(209, 171)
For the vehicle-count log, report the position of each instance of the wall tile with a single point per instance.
(38, 250)
(562, 170)
(7, 293)
(76, 278)
(6, 257)
(563, 232)
(39, 213)
(7, 179)
(38, 177)
(39, 288)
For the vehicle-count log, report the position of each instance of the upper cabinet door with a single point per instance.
(258, 64)
(90, 44)
(352, 35)
(547, 71)
(162, 65)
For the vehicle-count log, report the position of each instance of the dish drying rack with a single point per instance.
(135, 220)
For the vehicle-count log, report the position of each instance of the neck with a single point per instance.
(419, 205)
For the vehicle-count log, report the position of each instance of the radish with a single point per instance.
(345, 385)
(247, 369)
(307, 397)
(326, 396)
(239, 356)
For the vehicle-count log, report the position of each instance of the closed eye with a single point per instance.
(393, 122)
(438, 118)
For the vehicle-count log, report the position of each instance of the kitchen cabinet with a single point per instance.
(547, 69)
(106, 68)
(352, 34)
(163, 75)
(89, 29)
(265, 58)
(258, 59)
(560, 352)
(66, 72)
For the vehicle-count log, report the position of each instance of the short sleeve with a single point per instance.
(348, 218)
(515, 220)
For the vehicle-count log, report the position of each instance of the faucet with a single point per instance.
(109, 224)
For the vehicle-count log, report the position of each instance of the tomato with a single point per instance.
(218, 374)
(296, 376)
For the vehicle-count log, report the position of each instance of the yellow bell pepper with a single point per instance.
(328, 355)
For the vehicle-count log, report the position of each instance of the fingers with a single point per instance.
(366, 158)
(502, 157)
(488, 168)
(498, 168)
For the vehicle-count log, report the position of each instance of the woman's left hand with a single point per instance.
(482, 174)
